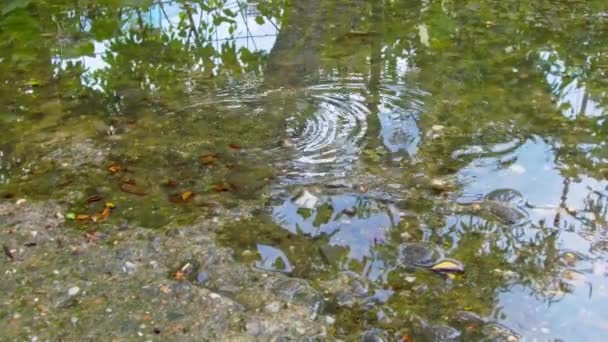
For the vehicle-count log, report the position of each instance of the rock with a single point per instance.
(129, 267)
(510, 196)
(301, 293)
(421, 254)
(202, 277)
(499, 332)
(273, 307)
(375, 335)
(253, 328)
(72, 291)
(442, 333)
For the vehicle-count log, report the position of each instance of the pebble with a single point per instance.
(214, 296)
(74, 320)
(253, 328)
(73, 291)
(202, 277)
(273, 307)
(129, 267)
(410, 279)
(330, 320)
(21, 201)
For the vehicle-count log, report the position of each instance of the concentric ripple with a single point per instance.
(326, 131)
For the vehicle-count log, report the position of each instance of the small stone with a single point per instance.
(129, 267)
(273, 307)
(202, 277)
(21, 201)
(253, 328)
(214, 296)
(73, 291)
(330, 320)
(59, 216)
(410, 279)
(74, 320)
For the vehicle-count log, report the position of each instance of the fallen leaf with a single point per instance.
(209, 159)
(223, 187)
(114, 168)
(93, 236)
(82, 217)
(183, 272)
(94, 198)
(186, 195)
(71, 216)
(234, 146)
(132, 189)
(110, 205)
(448, 266)
(169, 183)
(102, 216)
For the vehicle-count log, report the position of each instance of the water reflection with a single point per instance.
(375, 135)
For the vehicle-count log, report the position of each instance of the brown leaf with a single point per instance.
(234, 146)
(114, 168)
(183, 272)
(94, 236)
(83, 217)
(186, 195)
(132, 189)
(94, 198)
(105, 213)
(209, 159)
(223, 187)
(169, 183)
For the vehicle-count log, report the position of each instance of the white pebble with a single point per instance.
(214, 296)
(73, 291)
(21, 201)
(330, 320)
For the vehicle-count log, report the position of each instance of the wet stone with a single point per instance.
(374, 335)
(501, 333)
(510, 196)
(301, 293)
(421, 254)
(442, 333)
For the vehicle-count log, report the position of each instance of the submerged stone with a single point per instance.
(421, 254)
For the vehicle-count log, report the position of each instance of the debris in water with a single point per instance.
(132, 189)
(209, 159)
(448, 266)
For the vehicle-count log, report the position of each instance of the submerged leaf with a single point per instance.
(114, 168)
(132, 189)
(209, 159)
(186, 195)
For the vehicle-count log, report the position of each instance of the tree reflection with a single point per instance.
(449, 88)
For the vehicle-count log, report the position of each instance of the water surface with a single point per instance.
(355, 127)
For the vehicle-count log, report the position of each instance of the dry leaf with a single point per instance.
(114, 168)
(209, 159)
(132, 189)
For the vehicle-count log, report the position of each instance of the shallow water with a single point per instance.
(354, 128)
